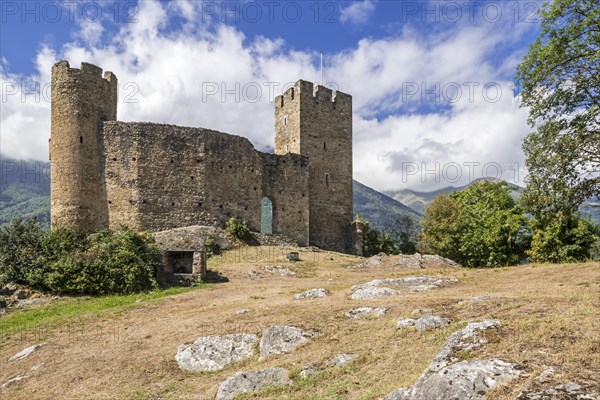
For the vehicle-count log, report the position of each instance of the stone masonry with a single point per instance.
(157, 177)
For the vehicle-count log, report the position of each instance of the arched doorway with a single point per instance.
(266, 216)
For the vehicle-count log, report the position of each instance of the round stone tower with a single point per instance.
(82, 99)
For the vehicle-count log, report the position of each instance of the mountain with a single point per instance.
(24, 190)
(25, 193)
(379, 209)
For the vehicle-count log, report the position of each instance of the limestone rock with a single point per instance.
(468, 380)
(413, 261)
(439, 260)
(429, 322)
(252, 381)
(468, 338)
(446, 378)
(212, 353)
(366, 312)
(379, 288)
(312, 294)
(279, 270)
(339, 360)
(242, 311)
(26, 352)
(371, 292)
(405, 323)
(17, 378)
(283, 339)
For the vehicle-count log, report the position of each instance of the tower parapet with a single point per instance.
(82, 99)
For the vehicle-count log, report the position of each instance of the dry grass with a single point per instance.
(550, 316)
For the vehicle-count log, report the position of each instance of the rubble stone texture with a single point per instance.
(157, 177)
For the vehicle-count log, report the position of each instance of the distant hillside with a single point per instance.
(24, 190)
(377, 208)
(25, 193)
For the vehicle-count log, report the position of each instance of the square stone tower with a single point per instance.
(316, 122)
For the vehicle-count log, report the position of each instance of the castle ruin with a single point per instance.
(157, 177)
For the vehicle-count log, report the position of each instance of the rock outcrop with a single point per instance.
(212, 353)
(252, 381)
(283, 339)
(366, 312)
(312, 294)
(380, 288)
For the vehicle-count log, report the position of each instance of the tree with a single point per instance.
(404, 233)
(478, 227)
(375, 242)
(560, 78)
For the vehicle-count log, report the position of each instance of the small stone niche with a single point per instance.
(293, 256)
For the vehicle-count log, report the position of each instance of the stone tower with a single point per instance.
(82, 99)
(316, 122)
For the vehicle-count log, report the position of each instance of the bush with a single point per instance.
(478, 227)
(375, 242)
(564, 238)
(211, 247)
(69, 261)
(238, 228)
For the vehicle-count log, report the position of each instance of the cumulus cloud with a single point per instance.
(357, 12)
(420, 101)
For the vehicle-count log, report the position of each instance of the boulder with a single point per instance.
(283, 339)
(413, 261)
(405, 323)
(439, 260)
(22, 294)
(312, 294)
(252, 381)
(447, 377)
(339, 360)
(8, 289)
(371, 292)
(212, 353)
(379, 288)
(366, 312)
(468, 380)
(430, 322)
(26, 352)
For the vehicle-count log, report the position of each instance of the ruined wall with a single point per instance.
(317, 123)
(161, 177)
(81, 100)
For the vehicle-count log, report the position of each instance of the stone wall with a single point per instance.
(160, 177)
(81, 100)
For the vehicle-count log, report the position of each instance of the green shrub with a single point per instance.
(69, 261)
(22, 251)
(238, 228)
(211, 247)
(375, 242)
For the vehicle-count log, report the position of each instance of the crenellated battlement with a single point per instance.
(308, 91)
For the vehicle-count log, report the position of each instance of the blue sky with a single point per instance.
(434, 101)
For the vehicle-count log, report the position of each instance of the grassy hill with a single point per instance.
(124, 347)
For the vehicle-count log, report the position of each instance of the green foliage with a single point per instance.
(560, 76)
(375, 242)
(238, 228)
(405, 234)
(478, 227)
(22, 248)
(565, 238)
(211, 246)
(69, 261)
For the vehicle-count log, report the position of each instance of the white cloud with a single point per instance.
(172, 74)
(357, 12)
